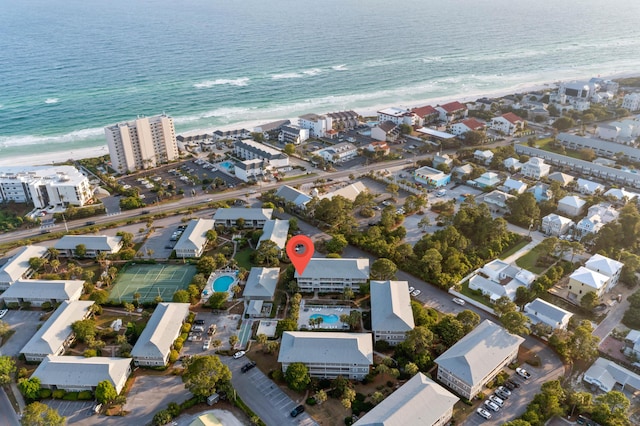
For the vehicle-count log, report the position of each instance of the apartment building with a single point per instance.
(333, 275)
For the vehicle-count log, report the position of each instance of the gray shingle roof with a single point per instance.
(322, 347)
(233, 213)
(292, 195)
(391, 306)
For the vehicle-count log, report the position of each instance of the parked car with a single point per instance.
(497, 400)
(206, 345)
(239, 354)
(492, 405)
(296, 411)
(509, 385)
(483, 413)
(248, 366)
(514, 383)
(199, 322)
(502, 395)
(416, 293)
(523, 373)
(505, 390)
(3, 312)
(411, 289)
(458, 301)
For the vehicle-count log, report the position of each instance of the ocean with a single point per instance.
(69, 67)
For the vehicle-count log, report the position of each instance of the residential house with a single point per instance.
(484, 157)
(606, 375)
(426, 115)
(563, 178)
(37, 292)
(436, 135)
(462, 172)
(588, 187)
(251, 170)
(535, 168)
(497, 279)
(317, 125)
(452, 111)
(541, 192)
(597, 216)
(487, 180)
(328, 354)
(608, 131)
(442, 159)
(433, 177)
(93, 245)
(193, 240)
(584, 280)
(477, 358)
(632, 343)
(540, 311)
(271, 128)
(333, 275)
(508, 124)
(293, 134)
(379, 147)
(631, 102)
(253, 218)
(571, 205)
(512, 164)
(397, 116)
(391, 313)
(292, 195)
(275, 230)
(338, 153)
(261, 284)
(497, 201)
(385, 131)
(249, 150)
(606, 266)
(56, 335)
(77, 373)
(556, 225)
(154, 344)
(467, 125)
(406, 405)
(622, 194)
(18, 265)
(513, 186)
(350, 192)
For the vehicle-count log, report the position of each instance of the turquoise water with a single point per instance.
(227, 165)
(223, 283)
(327, 319)
(71, 67)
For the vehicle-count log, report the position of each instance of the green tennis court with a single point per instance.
(151, 281)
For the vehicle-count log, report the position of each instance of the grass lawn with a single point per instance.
(472, 295)
(513, 249)
(243, 257)
(529, 260)
(297, 177)
(547, 145)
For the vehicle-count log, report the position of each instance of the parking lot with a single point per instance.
(25, 324)
(74, 411)
(151, 394)
(226, 325)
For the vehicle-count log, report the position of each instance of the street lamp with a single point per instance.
(530, 226)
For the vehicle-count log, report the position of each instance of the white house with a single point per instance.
(486, 180)
(442, 159)
(556, 225)
(631, 101)
(513, 186)
(512, 164)
(193, 240)
(535, 168)
(333, 275)
(318, 125)
(621, 194)
(483, 156)
(467, 125)
(328, 354)
(350, 192)
(249, 150)
(37, 292)
(154, 344)
(55, 335)
(391, 313)
(275, 230)
(406, 406)
(563, 178)
(477, 358)
(77, 373)
(338, 153)
(18, 265)
(571, 205)
(293, 134)
(606, 375)
(292, 195)
(497, 200)
(385, 131)
(397, 116)
(452, 111)
(584, 280)
(94, 245)
(253, 218)
(606, 266)
(498, 278)
(261, 284)
(508, 123)
(597, 216)
(540, 311)
(588, 187)
(253, 169)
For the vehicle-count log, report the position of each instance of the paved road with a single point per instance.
(8, 417)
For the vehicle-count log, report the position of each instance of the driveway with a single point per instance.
(264, 397)
(25, 324)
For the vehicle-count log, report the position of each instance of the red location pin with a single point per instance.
(300, 249)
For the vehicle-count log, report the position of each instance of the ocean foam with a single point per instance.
(341, 67)
(243, 81)
(51, 100)
(286, 75)
(312, 72)
(77, 135)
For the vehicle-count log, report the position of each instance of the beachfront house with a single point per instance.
(18, 265)
(397, 116)
(328, 354)
(318, 125)
(193, 240)
(293, 134)
(241, 217)
(391, 313)
(77, 373)
(425, 115)
(333, 275)
(452, 111)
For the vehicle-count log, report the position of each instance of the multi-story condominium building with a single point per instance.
(556, 225)
(333, 275)
(93, 245)
(508, 123)
(535, 168)
(344, 120)
(318, 125)
(540, 311)
(631, 101)
(600, 147)
(338, 153)
(397, 116)
(391, 313)
(250, 150)
(467, 125)
(38, 292)
(425, 115)
(328, 354)
(194, 238)
(252, 218)
(477, 358)
(407, 405)
(77, 373)
(142, 143)
(44, 186)
(452, 111)
(293, 134)
(251, 169)
(18, 266)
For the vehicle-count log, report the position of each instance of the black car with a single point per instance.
(248, 366)
(509, 385)
(91, 222)
(199, 322)
(502, 395)
(296, 411)
(513, 383)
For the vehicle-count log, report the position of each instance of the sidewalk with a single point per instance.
(18, 396)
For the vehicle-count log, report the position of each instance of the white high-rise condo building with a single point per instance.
(142, 143)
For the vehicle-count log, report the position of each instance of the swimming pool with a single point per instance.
(328, 319)
(223, 282)
(227, 165)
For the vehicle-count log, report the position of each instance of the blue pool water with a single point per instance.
(329, 319)
(227, 165)
(223, 283)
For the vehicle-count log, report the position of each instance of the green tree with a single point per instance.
(268, 254)
(583, 345)
(4, 328)
(297, 376)
(523, 210)
(563, 123)
(233, 340)
(383, 269)
(81, 250)
(515, 322)
(99, 296)
(162, 417)
(474, 137)
(261, 338)
(206, 265)
(450, 330)
(504, 305)
(289, 149)
(336, 244)
(84, 329)
(589, 300)
(411, 369)
(39, 414)
(203, 374)
(29, 388)
(105, 392)
(468, 319)
(7, 370)
(182, 296)
(212, 236)
(321, 396)
(129, 308)
(611, 409)
(36, 263)
(218, 299)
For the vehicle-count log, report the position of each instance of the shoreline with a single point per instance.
(100, 150)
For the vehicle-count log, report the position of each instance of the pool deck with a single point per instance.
(208, 288)
(309, 309)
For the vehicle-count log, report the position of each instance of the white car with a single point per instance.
(411, 289)
(483, 413)
(521, 371)
(239, 354)
(3, 312)
(458, 301)
(497, 400)
(206, 345)
(416, 293)
(492, 405)
(504, 390)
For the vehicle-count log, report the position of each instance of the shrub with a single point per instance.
(85, 396)
(389, 384)
(173, 357)
(58, 394)
(71, 396)
(188, 404)
(44, 393)
(162, 417)
(311, 401)
(186, 328)
(46, 306)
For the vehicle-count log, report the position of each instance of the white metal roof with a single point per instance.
(261, 282)
(391, 306)
(233, 213)
(350, 192)
(277, 231)
(44, 289)
(604, 265)
(606, 374)
(336, 268)
(91, 242)
(50, 337)
(161, 330)
(194, 236)
(19, 263)
(590, 278)
(541, 308)
(326, 347)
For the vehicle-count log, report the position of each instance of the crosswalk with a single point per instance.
(115, 213)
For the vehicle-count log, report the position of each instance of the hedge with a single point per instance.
(44, 393)
(71, 396)
(59, 393)
(85, 395)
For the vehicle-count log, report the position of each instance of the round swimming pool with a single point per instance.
(223, 283)
(329, 319)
